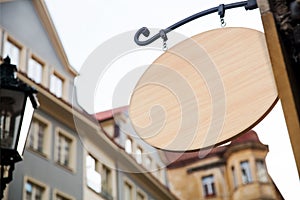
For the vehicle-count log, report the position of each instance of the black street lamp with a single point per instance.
(17, 104)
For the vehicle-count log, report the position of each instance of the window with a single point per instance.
(60, 197)
(13, 51)
(138, 155)
(208, 186)
(56, 85)
(90, 163)
(106, 179)
(261, 171)
(148, 162)
(116, 131)
(37, 136)
(159, 173)
(127, 191)
(35, 70)
(92, 175)
(34, 191)
(246, 172)
(140, 196)
(234, 180)
(99, 176)
(65, 149)
(57, 195)
(128, 145)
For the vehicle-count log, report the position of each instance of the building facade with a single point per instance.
(229, 172)
(53, 156)
(69, 156)
(148, 163)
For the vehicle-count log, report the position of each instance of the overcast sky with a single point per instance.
(83, 25)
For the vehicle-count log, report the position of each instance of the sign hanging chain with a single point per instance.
(163, 35)
(221, 12)
(223, 23)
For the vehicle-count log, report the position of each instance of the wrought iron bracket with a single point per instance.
(5, 179)
(249, 5)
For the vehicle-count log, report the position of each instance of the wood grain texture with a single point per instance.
(204, 91)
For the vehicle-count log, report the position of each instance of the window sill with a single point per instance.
(38, 153)
(210, 196)
(67, 168)
(104, 194)
(249, 184)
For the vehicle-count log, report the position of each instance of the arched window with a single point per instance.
(128, 145)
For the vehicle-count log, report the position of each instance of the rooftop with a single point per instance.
(178, 159)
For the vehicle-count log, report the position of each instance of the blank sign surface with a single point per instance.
(204, 91)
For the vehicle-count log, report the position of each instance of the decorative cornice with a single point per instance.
(245, 146)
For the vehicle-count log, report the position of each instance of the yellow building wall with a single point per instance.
(188, 186)
(256, 189)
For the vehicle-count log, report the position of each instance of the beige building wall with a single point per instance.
(186, 179)
(102, 158)
(188, 185)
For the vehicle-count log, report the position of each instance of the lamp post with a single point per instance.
(17, 104)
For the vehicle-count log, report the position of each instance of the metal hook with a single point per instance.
(163, 35)
(145, 31)
(221, 12)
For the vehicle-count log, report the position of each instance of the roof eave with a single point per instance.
(45, 17)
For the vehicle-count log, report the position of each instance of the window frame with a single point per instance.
(265, 171)
(73, 149)
(22, 51)
(16, 46)
(234, 177)
(108, 188)
(62, 194)
(131, 146)
(94, 169)
(45, 195)
(101, 169)
(63, 83)
(139, 155)
(42, 63)
(132, 191)
(47, 144)
(139, 191)
(211, 185)
(159, 174)
(248, 173)
(148, 165)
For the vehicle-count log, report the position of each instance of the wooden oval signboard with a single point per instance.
(204, 91)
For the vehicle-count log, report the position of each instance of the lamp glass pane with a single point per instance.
(27, 117)
(11, 110)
